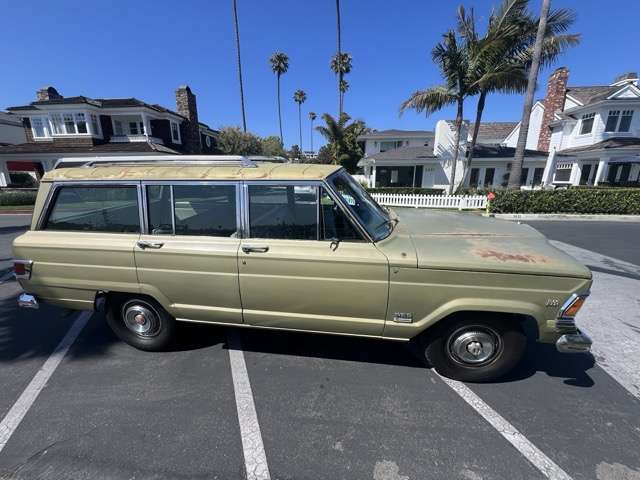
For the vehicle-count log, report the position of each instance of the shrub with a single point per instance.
(18, 197)
(408, 190)
(621, 201)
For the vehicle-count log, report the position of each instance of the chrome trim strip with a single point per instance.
(173, 209)
(263, 327)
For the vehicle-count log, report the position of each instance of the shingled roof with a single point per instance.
(594, 93)
(493, 131)
(500, 151)
(405, 153)
(619, 143)
(53, 147)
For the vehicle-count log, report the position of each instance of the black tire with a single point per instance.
(156, 328)
(475, 348)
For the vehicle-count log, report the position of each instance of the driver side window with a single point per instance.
(334, 222)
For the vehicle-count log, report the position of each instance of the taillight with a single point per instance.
(22, 268)
(19, 268)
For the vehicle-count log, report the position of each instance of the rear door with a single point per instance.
(305, 266)
(187, 254)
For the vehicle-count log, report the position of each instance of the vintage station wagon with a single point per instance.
(228, 241)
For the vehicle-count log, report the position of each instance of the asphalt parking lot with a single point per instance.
(230, 404)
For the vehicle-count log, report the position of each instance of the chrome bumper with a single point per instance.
(26, 300)
(574, 342)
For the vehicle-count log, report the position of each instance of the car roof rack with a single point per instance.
(160, 160)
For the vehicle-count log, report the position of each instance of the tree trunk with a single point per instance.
(457, 146)
(300, 126)
(280, 114)
(474, 138)
(339, 58)
(235, 16)
(518, 160)
(311, 136)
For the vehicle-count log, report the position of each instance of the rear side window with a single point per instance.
(208, 210)
(283, 212)
(95, 209)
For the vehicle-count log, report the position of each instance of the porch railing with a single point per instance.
(460, 202)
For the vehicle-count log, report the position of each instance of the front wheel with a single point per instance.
(140, 322)
(475, 349)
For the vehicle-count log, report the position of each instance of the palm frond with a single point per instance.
(430, 100)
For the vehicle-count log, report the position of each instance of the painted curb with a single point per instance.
(565, 216)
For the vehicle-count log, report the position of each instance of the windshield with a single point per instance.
(371, 216)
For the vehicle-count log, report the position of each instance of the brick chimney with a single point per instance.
(186, 105)
(553, 102)
(47, 93)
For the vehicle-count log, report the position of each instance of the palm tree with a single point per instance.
(341, 65)
(235, 17)
(500, 60)
(300, 97)
(279, 65)
(518, 160)
(453, 62)
(312, 117)
(342, 139)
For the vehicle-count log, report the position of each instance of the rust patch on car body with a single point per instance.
(511, 257)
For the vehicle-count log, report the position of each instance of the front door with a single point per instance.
(187, 258)
(428, 176)
(585, 173)
(305, 266)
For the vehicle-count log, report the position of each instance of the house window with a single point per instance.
(56, 123)
(394, 176)
(95, 125)
(563, 172)
(475, 175)
(384, 146)
(587, 123)
(625, 120)
(207, 140)
(523, 176)
(537, 176)
(133, 128)
(38, 128)
(81, 123)
(175, 132)
(488, 176)
(612, 121)
(118, 127)
(69, 124)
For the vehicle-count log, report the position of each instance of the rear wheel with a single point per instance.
(141, 322)
(475, 349)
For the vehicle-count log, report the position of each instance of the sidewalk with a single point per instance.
(565, 216)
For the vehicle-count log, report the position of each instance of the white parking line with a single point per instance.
(532, 453)
(12, 419)
(255, 459)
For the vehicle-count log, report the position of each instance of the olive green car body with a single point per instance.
(432, 265)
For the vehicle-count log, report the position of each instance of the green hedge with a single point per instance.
(18, 197)
(407, 190)
(621, 201)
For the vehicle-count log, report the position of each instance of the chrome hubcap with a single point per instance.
(474, 345)
(141, 319)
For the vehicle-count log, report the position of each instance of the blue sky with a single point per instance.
(145, 49)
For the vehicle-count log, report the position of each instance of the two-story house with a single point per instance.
(57, 126)
(401, 158)
(592, 133)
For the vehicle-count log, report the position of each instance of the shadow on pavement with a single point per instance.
(541, 357)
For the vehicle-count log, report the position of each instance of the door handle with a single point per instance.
(146, 244)
(255, 248)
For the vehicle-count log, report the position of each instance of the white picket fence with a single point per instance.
(461, 202)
